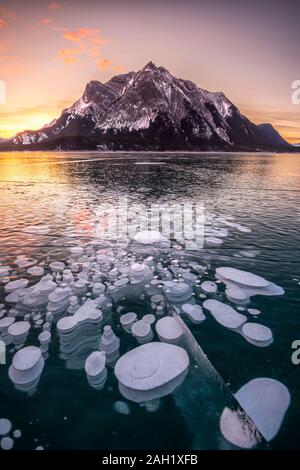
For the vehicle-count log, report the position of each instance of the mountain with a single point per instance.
(3, 140)
(271, 134)
(150, 110)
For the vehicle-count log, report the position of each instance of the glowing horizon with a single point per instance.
(49, 51)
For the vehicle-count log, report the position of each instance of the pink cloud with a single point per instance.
(45, 21)
(2, 22)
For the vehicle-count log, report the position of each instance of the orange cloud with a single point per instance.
(104, 64)
(81, 33)
(45, 21)
(2, 22)
(118, 68)
(88, 42)
(69, 56)
(54, 6)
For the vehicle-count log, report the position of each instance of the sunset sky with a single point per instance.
(250, 50)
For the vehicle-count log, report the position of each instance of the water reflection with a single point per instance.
(49, 201)
(63, 190)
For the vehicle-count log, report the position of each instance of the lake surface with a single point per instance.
(49, 203)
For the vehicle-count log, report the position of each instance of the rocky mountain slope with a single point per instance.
(150, 110)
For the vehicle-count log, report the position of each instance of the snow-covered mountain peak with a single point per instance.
(150, 66)
(151, 109)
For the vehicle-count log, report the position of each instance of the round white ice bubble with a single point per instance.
(169, 330)
(19, 328)
(5, 323)
(66, 324)
(242, 228)
(253, 311)
(76, 250)
(147, 237)
(36, 271)
(193, 312)
(122, 407)
(142, 331)
(95, 363)
(26, 358)
(236, 295)
(149, 318)
(5, 426)
(242, 277)
(57, 266)
(213, 241)
(177, 291)
(4, 271)
(150, 367)
(257, 332)
(27, 366)
(121, 282)
(209, 287)
(14, 285)
(224, 314)
(127, 320)
(6, 443)
(266, 402)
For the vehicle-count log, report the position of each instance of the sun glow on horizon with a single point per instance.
(34, 121)
(20, 122)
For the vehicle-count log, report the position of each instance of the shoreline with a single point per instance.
(160, 152)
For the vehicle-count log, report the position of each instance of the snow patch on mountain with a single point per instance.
(27, 138)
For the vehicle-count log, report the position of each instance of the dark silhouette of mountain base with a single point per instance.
(150, 110)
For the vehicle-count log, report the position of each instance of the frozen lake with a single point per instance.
(50, 203)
